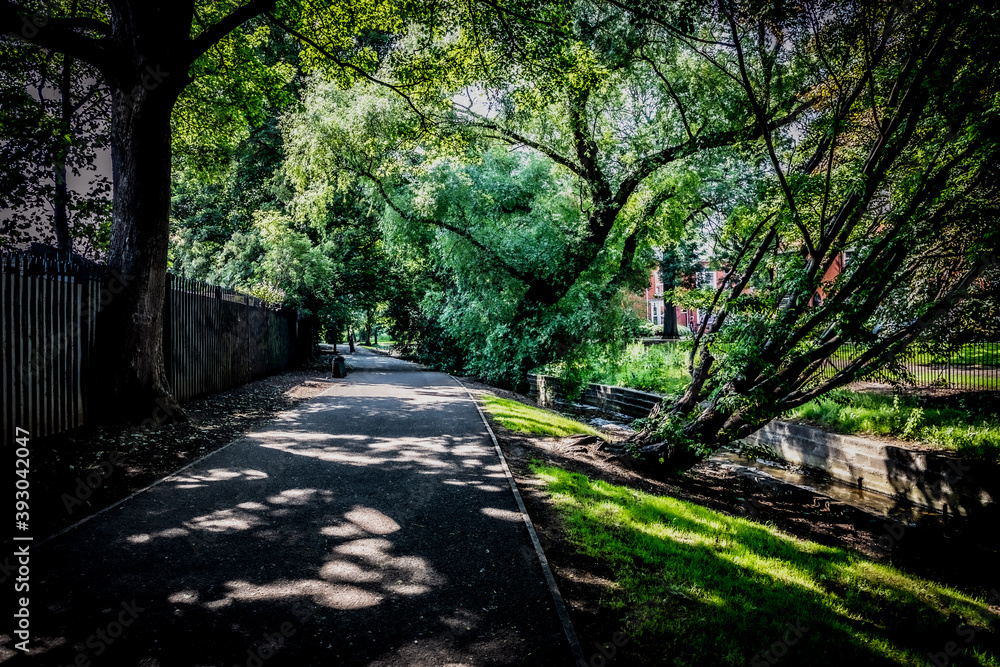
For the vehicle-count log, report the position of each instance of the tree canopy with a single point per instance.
(497, 177)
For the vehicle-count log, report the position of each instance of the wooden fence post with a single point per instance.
(168, 334)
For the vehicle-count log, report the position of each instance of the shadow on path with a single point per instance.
(371, 526)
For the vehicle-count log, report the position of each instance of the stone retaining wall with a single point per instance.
(548, 391)
(936, 480)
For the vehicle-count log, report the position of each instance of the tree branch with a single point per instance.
(347, 65)
(515, 137)
(55, 35)
(214, 33)
(525, 277)
(765, 130)
(699, 142)
(81, 23)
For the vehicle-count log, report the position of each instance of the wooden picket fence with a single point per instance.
(47, 330)
(214, 339)
(220, 339)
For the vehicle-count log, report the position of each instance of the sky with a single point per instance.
(77, 184)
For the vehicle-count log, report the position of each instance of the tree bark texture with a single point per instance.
(130, 327)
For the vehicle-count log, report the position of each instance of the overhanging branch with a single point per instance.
(58, 35)
(344, 65)
(215, 32)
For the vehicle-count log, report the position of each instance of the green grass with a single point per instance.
(927, 376)
(970, 431)
(710, 589)
(971, 367)
(659, 368)
(968, 380)
(656, 368)
(975, 354)
(527, 419)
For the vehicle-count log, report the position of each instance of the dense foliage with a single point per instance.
(493, 179)
(836, 162)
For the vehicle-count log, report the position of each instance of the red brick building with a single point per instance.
(651, 307)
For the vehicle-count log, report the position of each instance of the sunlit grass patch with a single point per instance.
(659, 368)
(965, 431)
(719, 590)
(527, 419)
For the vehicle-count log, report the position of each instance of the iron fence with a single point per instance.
(971, 366)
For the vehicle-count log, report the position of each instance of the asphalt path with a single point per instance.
(372, 525)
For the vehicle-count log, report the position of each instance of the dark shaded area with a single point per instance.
(70, 477)
(373, 524)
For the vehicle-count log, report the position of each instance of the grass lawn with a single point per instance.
(720, 590)
(929, 376)
(969, 431)
(528, 419)
(659, 368)
(977, 353)
(953, 369)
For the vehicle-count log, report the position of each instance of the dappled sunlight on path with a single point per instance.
(373, 523)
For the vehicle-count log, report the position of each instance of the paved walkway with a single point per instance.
(373, 525)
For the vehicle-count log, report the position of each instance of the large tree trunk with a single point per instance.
(144, 52)
(130, 326)
(60, 218)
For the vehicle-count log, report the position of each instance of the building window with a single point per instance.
(707, 279)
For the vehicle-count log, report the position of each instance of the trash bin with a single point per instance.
(339, 367)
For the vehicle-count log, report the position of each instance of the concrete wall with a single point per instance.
(939, 481)
(548, 391)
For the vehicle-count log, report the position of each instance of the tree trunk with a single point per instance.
(669, 321)
(60, 219)
(60, 216)
(145, 53)
(130, 325)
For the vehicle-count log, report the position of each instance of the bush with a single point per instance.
(657, 368)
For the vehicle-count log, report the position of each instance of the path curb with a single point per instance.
(567, 624)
